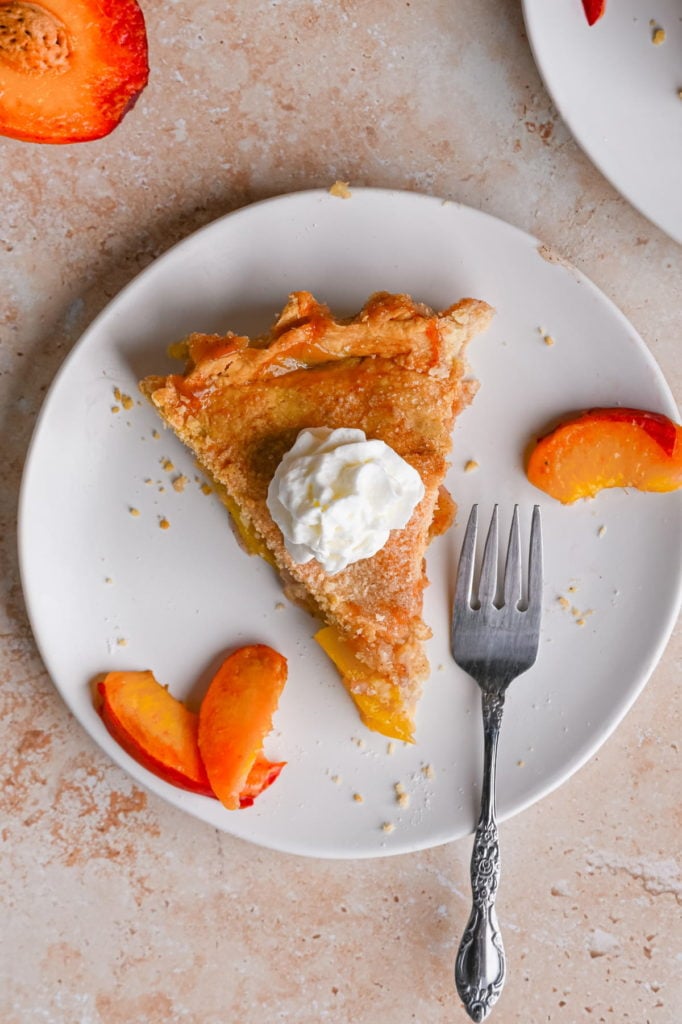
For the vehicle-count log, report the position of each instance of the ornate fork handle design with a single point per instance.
(480, 966)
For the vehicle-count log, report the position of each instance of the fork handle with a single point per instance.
(480, 966)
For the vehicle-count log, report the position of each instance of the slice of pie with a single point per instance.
(395, 371)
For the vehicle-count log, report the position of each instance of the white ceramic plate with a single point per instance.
(95, 575)
(618, 94)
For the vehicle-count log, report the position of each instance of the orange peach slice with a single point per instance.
(154, 728)
(608, 448)
(162, 735)
(236, 715)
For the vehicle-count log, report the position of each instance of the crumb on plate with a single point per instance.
(341, 190)
(401, 795)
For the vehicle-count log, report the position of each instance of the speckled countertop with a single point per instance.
(117, 907)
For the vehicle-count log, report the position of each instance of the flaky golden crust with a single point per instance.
(396, 371)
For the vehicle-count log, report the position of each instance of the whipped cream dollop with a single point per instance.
(336, 496)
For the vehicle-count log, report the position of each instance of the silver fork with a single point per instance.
(494, 641)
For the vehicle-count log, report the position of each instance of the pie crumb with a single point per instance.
(470, 465)
(115, 408)
(388, 826)
(401, 795)
(127, 402)
(429, 771)
(179, 483)
(602, 529)
(134, 511)
(167, 465)
(122, 642)
(564, 602)
(520, 764)
(658, 36)
(358, 798)
(390, 747)
(336, 779)
(164, 524)
(341, 190)
(206, 488)
(548, 340)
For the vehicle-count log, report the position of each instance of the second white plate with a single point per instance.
(619, 94)
(107, 589)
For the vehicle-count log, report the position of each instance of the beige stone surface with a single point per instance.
(115, 906)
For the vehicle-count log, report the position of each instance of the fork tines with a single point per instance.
(488, 583)
(491, 623)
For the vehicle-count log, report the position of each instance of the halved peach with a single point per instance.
(154, 728)
(69, 69)
(236, 715)
(608, 447)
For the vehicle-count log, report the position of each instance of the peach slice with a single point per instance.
(236, 715)
(594, 10)
(69, 69)
(162, 735)
(608, 448)
(154, 728)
